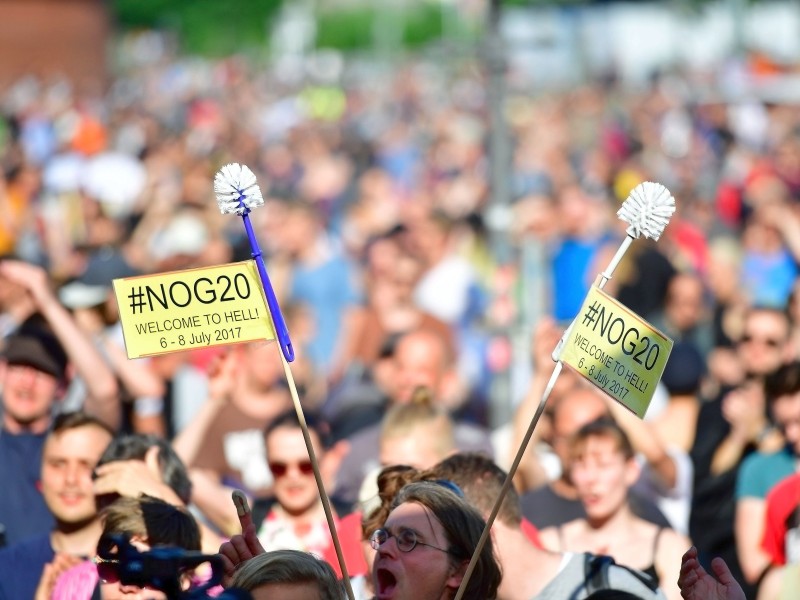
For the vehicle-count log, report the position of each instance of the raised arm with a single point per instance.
(221, 381)
(103, 394)
(646, 441)
(531, 473)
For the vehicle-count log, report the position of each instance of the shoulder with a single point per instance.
(787, 487)
(548, 537)
(758, 460)
(670, 537)
(670, 545)
(27, 550)
(21, 566)
(760, 472)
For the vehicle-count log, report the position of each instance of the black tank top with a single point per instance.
(651, 570)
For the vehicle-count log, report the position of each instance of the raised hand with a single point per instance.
(51, 573)
(697, 584)
(222, 374)
(240, 547)
(30, 277)
(133, 478)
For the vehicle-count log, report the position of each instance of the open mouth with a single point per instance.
(386, 584)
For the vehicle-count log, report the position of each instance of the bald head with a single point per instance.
(572, 411)
(421, 359)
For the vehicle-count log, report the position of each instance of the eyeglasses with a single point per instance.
(771, 342)
(279, 469)
(406, 540)
(107, 569)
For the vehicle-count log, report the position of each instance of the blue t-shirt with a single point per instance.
(760, 472)
(570, 271)
(21, 567)
(327, 290)
(23, 512)
(768, 278)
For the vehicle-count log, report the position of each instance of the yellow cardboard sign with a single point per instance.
(182, 310)
(617, 351)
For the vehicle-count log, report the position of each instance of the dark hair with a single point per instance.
(134, 446)
(76, 419)
(463, 526)
(288, 566)
(784, 381)
(390, 480)
(481, 481)
(684, 370)
(289, 418)
(159, 523)
(602, 427)
(609, 594)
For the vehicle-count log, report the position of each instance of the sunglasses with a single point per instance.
(279, 469)
(107, 569)
(771, 342)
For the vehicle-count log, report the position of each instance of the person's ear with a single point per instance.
(632, 471)
(456, 575)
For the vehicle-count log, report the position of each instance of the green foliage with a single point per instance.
(354, 28)
(423, 25)
(220, 27)
(349, 29)
(210, 27)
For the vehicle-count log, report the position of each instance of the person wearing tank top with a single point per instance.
(602, 467)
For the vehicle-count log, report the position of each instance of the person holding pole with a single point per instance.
(422, 550)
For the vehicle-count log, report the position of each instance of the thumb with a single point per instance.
(152, 461)
(721, 570)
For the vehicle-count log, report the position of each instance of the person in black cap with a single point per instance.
(35, 363)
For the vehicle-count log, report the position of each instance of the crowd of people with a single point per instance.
(375, 188)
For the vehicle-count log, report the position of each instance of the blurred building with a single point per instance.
(54, 37)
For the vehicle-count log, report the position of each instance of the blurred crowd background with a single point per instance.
(445, 175)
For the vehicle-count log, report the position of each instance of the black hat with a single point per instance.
(36, 348)
(93, 286)
(684, 370)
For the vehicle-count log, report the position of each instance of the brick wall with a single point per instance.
(49, 37)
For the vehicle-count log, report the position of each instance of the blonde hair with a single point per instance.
(152, 520)
(288, 566)
(404, 420)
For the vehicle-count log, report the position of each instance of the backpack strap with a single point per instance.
(596, 568)
(595, 572)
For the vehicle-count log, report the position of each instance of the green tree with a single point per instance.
(211, 27)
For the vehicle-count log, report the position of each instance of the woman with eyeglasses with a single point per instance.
(425, 545)
(148, 522)
(422, 548)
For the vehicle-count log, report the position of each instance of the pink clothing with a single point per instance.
(79, 582)
(76, 583)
